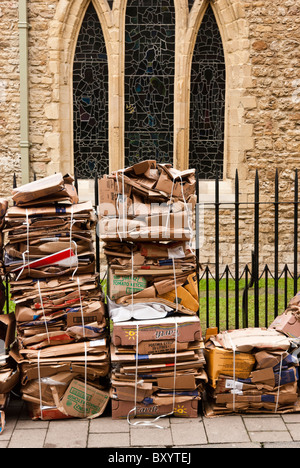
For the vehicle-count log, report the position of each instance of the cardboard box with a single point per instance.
(82, 400)
(183, 297)
(288, 323)
(189, 329)
(187, 409)
(7, 329)
(220, 361)
(46, 187)
(248, 339)
(122, 285)
(158, 347)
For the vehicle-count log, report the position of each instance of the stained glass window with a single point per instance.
(90, 98)
(149, 80)
(207, 111)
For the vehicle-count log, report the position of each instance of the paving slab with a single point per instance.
(115, 440)
(282, 445)
(294, 430)
(265, 424)
(291, 418)
(249, 445)
(150, 437)
(107, 425)
(29, 438)
(70, 433)
(188, 434)
(270, 436)
(225, 429)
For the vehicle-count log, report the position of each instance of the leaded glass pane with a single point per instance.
(90, 97)
(149, 80)
(207, 112)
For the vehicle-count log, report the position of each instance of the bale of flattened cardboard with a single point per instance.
(9, 371)
(289, 322)
(148, 201)
(157, 368)
(65, 381)
(62, 334)
(251, 370)
(153, 273)
(3, 210)
(50, 240)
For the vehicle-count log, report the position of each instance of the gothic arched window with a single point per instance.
(207, 112)
(90, 99)
(149, 80)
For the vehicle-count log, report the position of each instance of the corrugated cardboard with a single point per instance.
(7, 329)
(123, 285)
(220, 361)
(245, 340)
(189, 329)
(187, 409)
(288, 323)
(183, 297)
(82, 400)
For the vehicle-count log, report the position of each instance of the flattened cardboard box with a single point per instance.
(158, 347)
(82, 400)
(187, 409)
(122, 285)
(220, 361)
(189, 329)
(287, 324)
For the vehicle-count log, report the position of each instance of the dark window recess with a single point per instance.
(191, 3)
(149, 80)
(207, 113)
(90, 99)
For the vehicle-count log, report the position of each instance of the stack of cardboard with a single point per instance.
(157, 356)
(148, 365)
(9, 372)
(62, 347)
(147, 201)
(3, 210)
(251, 371)
(289, 322)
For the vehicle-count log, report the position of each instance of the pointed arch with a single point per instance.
(207, 100)
(149, 80)
(90, 99)
(63, 35)
(234, 31)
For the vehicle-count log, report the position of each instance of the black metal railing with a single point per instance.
(240, 294)
(270, 288)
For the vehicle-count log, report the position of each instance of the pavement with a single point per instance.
(230, 431)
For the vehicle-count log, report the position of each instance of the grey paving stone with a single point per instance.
(72, 433)
(225, 429)
(249, 445)
(270, 436)
(108, 440)
(265, 424)
(291, 418)
(294, 431)
(29, 438)
(282, 445)
(150, 437)
(107, 425)
(185, 420)
(30, 424)
(190, 433)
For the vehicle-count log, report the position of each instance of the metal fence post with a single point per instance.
(296, 207)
